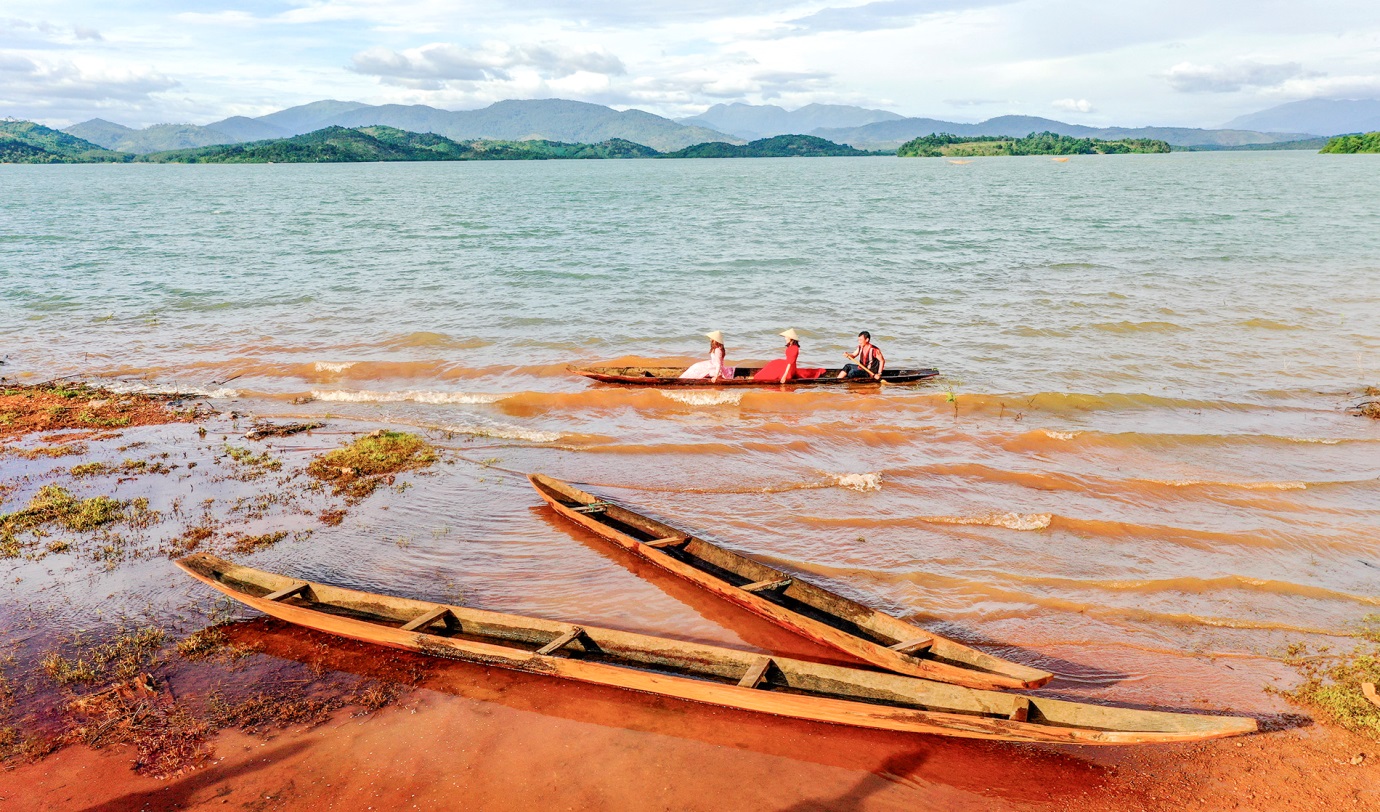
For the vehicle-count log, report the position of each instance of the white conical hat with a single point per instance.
(715, 335)
(789, 334)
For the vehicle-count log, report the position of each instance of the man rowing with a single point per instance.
(870, 361)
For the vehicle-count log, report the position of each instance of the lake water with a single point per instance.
(1136, 470)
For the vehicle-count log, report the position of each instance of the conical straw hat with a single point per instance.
(790, 334)
(715, 335)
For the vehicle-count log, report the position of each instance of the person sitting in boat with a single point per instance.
(714, 368)
(871, 362)
(783, 369)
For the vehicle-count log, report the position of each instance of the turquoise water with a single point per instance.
(1138, 450)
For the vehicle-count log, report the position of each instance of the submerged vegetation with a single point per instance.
(1046, 143)
(53, 406)
(360, 467)
(1334, 682)
(1353, 144)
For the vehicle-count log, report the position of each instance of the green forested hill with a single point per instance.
(378, 143)
(25, 142)
(780, 146)
(1352, 144)
(1046, 143)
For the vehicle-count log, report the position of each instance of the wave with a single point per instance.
(416, 396)
(503, 432)
(209, 392)
(423, 338)
(1139, 327)
(703, 397)
(859, 482)
(1249, 486)
(1011, 521)
(1269, 324)
(327, 366)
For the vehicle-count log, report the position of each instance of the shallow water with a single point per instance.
(1136, 471)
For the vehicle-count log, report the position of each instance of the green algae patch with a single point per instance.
(1332, 681)
(357, 469)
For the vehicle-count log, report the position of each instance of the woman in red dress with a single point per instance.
(782, 369)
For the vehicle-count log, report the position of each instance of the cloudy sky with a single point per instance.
(1171, 62)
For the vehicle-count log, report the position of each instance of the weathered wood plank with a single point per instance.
(562, 641)
(755, 673)
(913, 645)
(763, 586)
(288, 592)
(669, 541)
(427, 619)
(1020, 711)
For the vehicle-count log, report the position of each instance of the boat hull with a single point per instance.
(372, 618)
(670, 377)
(856, 631)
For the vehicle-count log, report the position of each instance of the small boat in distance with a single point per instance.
(743, 376)
(789, 601)
(696, 672)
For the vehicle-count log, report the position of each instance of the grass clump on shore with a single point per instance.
(118, 660)
(54, 504)
(1332, 683)
(357, 469)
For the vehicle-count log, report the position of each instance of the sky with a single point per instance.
(1167, 63)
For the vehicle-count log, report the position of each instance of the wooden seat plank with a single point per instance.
(762, 586)
(913, 645)
(755, 673)
(669, 541)
(428, 618)
(562, 641)
(287, 592)
(1020, 711)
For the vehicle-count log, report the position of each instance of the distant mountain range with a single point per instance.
(765, 120)
(544, 119)
(1320, 116)
(580, 122)
(27, 142)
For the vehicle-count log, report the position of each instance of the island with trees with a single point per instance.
(1353, 144)
(939, 145)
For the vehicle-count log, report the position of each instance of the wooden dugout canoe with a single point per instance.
(788, 601)
(670, 376)
(697, 672)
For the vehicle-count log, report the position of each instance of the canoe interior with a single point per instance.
(525, 637)
(798, 596)
(743, 376)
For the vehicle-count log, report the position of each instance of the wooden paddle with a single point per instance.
(877, 378)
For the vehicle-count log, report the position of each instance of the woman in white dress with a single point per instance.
(714, 368)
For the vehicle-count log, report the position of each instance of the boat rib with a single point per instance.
(696, 672)
(786, 600)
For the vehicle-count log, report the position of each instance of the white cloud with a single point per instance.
(431, 67)
(1329, 87)
(23, 78)
(1187, 77)
(1073, 105)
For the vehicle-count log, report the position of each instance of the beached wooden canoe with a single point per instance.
(698, 672)
(670, 376)
(788, 601)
